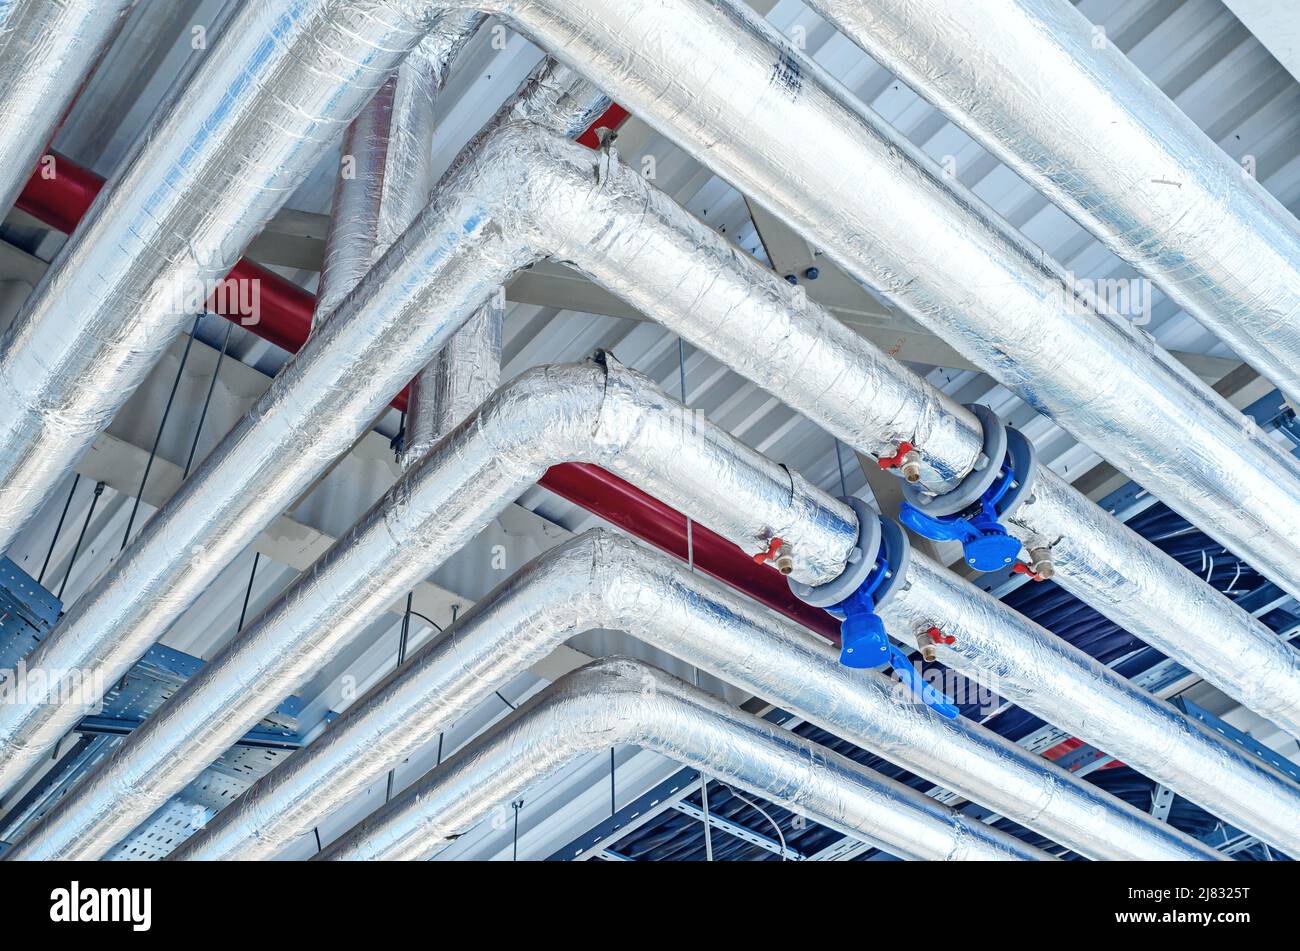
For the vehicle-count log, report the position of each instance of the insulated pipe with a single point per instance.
(598, 412)
(1112, 568)
(464, 246)
(386, 171)
(48, 49)
(742, 100)
(1028, 664)
(211, 519)
(286, 313)
(468, 368)
(1035, 83)
(385, 174)
(697, 286)
(620, 503)
(285, 321)
(314, 411)
(1056, 681)
(216, 162)
(1108, 566)
(1144, 591)
(614, 701)
(357, 211)
(601, 580)
(386, 182)
(433, 510)
(456, 381)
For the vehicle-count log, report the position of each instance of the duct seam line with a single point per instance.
(598, 412)
(741, 99)
(456, 381)
(356, 216)
(1072, 115)
(600, 580)
(390, 181)
(615, 701)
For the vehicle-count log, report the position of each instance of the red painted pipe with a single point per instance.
(60, 193)
(611, 118)
(649, 519)
(285, 320)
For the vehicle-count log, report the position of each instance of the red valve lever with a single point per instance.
(939, 637)
(897, 459)
(1020, 568)
(763, 557)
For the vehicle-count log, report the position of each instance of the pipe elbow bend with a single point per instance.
(614, 700)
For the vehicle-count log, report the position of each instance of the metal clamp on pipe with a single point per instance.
(876, 570)
(971, 512)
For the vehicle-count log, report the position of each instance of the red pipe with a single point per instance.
(611, 118)
(649, 519)
(285, 320)
(60, 194)
(63, 198)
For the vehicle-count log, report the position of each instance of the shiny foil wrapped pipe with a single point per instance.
(390, 148)
(596, 412)
(1146, 592)
(698, 285)
(552, 96)
(522, 196)
(745, 102)
(689, 278)
(386, 174)
(467, 243)
(616, 700)
(456, 381)
(314, 411)
(468, 368)
(602, 580)
(1035, 83)
(218, 159)
(1054, 680)
(525, 195)
(48, 49)
(357, 214)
